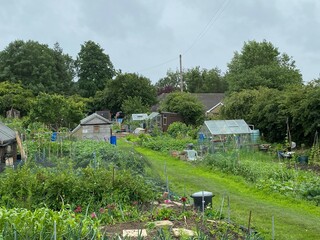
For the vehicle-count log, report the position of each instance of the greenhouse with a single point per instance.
(223, 135)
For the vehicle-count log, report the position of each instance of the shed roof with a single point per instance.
(89, 118)
(227, 127)
(92, 116)
(6, 134)
(139, 116)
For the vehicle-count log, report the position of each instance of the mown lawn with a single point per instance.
(293, 219)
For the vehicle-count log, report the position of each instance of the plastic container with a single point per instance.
(303, 159)
(113, 140)
(202, 199)
(255, 136)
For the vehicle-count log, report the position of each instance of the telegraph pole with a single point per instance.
(181, 79)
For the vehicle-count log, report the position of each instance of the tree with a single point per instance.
(94, 69)
(65, 67)
(204, 81)
(187, 105)
(169, 83)
(126, 85)
(261, 64)
(12, 95)
(269, 113)
(36, 67)
(56, 111)
(304, 107)
(238, 104)
(134, 105)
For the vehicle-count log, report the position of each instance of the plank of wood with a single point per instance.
(23, 154)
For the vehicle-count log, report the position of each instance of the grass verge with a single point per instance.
(293, 219)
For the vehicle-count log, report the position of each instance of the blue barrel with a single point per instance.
(255, 136)
(113, 140)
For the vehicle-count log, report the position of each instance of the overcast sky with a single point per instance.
(147, 36)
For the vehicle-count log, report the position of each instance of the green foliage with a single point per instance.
(204, 81)
(13, 95)
(57, 111)
(94, 69)
(81, 153)
(164, 143)
(260, 64)
(124, 86)
(37, 67)
(133, 105)
(85, 173)
(194, 81)
(265, 174)
(238, 105)
(187, 105)
(44, 223)
(31, 187)
(171, 82)
(181, 130)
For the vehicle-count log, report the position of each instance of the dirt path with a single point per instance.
(292, 220)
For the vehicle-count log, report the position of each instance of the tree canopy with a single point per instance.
(12, 95)
(187, 105)
(261, 64)
(94, 69)
(57, 111)
(124, 86)
(204, 81)
(36, 67)
(195, 80)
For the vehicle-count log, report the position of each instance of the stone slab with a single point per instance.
(134, 233)
(178, 232)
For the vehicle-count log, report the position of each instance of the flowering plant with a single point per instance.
(184, 200)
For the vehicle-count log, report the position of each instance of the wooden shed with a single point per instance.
(93, 127)
(169, 117)
(8, 144)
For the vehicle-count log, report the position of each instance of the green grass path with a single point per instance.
(293, 220)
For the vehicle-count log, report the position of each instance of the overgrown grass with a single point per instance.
(268, 173)
(294, 219)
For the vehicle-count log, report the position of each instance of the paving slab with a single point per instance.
(134, 233)
(178, 232)
(163, 223)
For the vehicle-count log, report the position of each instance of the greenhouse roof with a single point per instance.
(139, 116)
(227, 127)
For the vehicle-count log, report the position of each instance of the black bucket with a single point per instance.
(202, 199)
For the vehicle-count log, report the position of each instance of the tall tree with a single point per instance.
(94, 69)
(36, 66)
(204, 81)
(261, 64)
(65, 68)
(187, 105)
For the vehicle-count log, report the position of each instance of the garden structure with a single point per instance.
(222, 135)
(8, 144)
(93, 127)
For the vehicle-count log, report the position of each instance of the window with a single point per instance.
(164, 120)
(96, 129)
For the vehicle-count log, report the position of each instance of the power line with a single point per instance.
(159, 65)
(214, 18)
